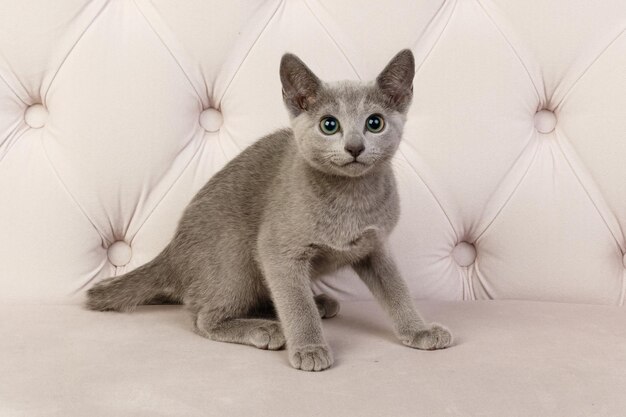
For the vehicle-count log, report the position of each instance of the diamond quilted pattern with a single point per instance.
(123, 148)
(137, 149)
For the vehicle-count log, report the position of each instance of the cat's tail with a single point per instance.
(152, 281)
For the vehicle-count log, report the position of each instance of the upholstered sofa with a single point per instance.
(512, 175)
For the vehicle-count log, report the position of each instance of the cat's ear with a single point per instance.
(396, 80)
(300, 85)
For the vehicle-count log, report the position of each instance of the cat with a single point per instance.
(296, 204)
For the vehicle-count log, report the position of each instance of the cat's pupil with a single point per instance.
(374, 123)
(330, 124)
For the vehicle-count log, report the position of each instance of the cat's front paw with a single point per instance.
(431, 337)
(311, 357)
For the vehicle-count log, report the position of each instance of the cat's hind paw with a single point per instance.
(268, 337)
(327, 306)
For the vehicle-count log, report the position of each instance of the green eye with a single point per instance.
(329, 125)
(375, 123)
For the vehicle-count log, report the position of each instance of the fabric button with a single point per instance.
(36, 116)
(211, 120)
(119, 253)
(464, 254)
(545, 121)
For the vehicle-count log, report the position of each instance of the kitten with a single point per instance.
(296, 204)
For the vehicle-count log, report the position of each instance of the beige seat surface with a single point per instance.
(510, 358)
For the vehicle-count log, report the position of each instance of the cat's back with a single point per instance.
(237, 193)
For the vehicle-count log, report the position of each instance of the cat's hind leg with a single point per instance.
(235, 313)
(260, 333)
(327, 306)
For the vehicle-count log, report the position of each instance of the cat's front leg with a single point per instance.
(379, 272)
(287, 273)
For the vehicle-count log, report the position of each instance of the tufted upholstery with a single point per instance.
(512, 172)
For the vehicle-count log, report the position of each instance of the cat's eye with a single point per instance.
(329, 125)
(375, 123)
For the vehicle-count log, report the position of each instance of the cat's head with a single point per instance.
(348, 128)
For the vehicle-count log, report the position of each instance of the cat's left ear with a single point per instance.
(396, 80)
(300, 85)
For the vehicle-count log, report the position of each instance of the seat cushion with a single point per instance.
(539, 359)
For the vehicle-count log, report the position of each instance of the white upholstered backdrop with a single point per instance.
(512, 170)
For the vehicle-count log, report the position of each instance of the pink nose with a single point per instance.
(355, 149)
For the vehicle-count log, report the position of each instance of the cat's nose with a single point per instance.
(354, 149)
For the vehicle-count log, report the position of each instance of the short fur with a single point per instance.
(294, 205)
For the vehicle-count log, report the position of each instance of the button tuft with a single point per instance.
(119, 253)
(211, 120)
(464, 254)
(545, 121)
(35, 116)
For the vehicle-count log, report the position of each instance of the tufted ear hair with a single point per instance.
(300, 85)
(396, 80)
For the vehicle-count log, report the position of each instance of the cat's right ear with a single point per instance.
(300, 85)
(396, 80)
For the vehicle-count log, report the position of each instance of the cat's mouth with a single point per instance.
(352, 168)
(354, 162)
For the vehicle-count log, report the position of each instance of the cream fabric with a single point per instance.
(114, 113)
(511, 358)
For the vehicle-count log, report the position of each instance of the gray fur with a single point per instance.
(294, 205)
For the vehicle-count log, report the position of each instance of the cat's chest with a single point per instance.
(352, 227)
(331, 255)
(343, 215)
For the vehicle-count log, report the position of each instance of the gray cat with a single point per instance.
(298, 203)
